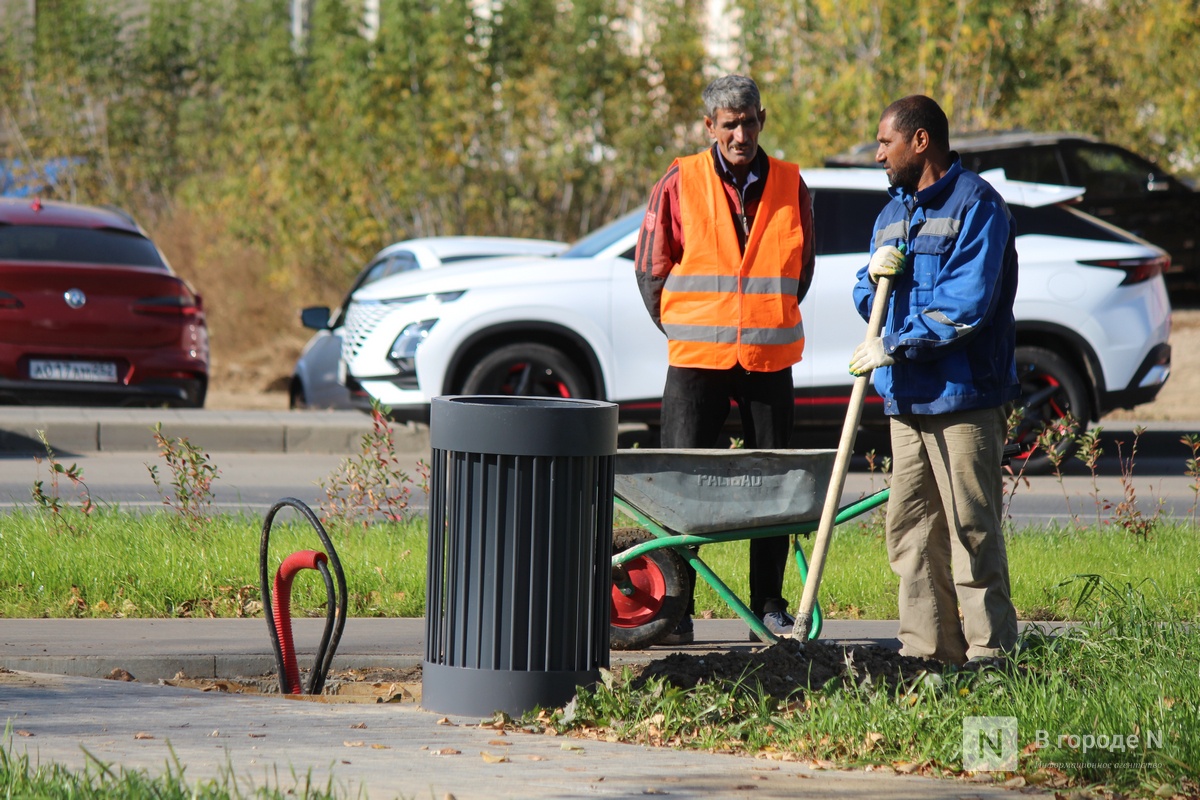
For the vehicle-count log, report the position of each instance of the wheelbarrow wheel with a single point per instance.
(649, 594)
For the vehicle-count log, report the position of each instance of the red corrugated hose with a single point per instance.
(277, 602)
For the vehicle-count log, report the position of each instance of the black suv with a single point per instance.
(1121, 187)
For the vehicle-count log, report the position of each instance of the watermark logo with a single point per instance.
(989, 744)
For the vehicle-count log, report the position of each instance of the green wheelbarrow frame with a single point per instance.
(682, 544)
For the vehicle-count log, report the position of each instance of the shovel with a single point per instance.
(841, 465)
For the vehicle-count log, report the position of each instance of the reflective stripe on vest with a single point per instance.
(721, 307)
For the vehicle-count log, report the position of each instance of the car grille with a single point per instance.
(361, 321)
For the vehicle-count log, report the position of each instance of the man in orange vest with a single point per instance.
(724, 257)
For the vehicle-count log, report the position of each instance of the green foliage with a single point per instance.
(520, 118)
(66, 514)
(370, 484)
(192, 475)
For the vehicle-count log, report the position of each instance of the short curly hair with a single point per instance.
(910, 114)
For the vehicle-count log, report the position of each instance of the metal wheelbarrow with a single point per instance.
(684, 498)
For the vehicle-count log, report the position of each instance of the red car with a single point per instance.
(92, 314)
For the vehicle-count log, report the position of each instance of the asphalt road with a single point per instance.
(249, 482)
(252, 482)
(265, 456)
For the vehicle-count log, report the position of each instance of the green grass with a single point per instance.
(857, 582)
(153, 565)
(1129, 670)
(99, 781)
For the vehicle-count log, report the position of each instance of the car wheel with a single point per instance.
(1051, 389)
(528, 369)
(296, 398)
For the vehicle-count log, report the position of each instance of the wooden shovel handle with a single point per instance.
(841, 465)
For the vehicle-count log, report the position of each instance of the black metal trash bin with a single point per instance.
(520, 543)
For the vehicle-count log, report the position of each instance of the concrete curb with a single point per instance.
(82, 431)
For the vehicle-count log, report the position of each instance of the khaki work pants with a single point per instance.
(944, 535)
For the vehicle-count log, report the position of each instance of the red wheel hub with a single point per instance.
(643, 604)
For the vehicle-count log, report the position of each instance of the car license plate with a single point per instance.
(85, 371)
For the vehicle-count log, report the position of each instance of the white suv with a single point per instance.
(315, 381)
(1091, 308)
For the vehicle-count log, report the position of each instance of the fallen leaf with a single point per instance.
(906, 767)
(23, 732)
(744, 787)
(143, 735)
(257, 735)
(1014, 783)
(358, 726)
(447, 751)
(500, 743)
(215, 733)
(444, 721)
(381, 747)
(353, 744)
(492, 759)
(652, 790)
(119, 674)
(571, 747)
(536, 758)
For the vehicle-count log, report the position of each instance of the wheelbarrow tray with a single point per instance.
(708, 491)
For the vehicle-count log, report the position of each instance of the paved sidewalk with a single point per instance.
(154, 649)
(384, 750)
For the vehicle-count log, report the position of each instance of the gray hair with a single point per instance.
(734, 92)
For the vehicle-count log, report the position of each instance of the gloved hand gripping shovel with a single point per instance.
(841, 464)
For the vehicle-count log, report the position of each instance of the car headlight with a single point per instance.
(439, 298)
(404, 350)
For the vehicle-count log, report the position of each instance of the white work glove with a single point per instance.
(868, 356)
(887, 260)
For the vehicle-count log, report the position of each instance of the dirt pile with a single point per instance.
(784, 668)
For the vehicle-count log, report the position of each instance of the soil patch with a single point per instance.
(781, 671)
(787, 667)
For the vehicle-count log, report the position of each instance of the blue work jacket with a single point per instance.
(950, 325)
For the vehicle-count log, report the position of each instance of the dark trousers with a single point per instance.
(696, 404)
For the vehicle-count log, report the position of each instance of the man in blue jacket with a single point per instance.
(946, 371)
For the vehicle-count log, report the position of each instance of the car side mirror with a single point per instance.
(315, 317)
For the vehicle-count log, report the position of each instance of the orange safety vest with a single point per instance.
(721, 307)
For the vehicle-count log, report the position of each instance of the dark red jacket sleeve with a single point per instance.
(660, 242)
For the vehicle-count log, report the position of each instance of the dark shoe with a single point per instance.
(684, 633)
(777, 622)
(983, 663)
